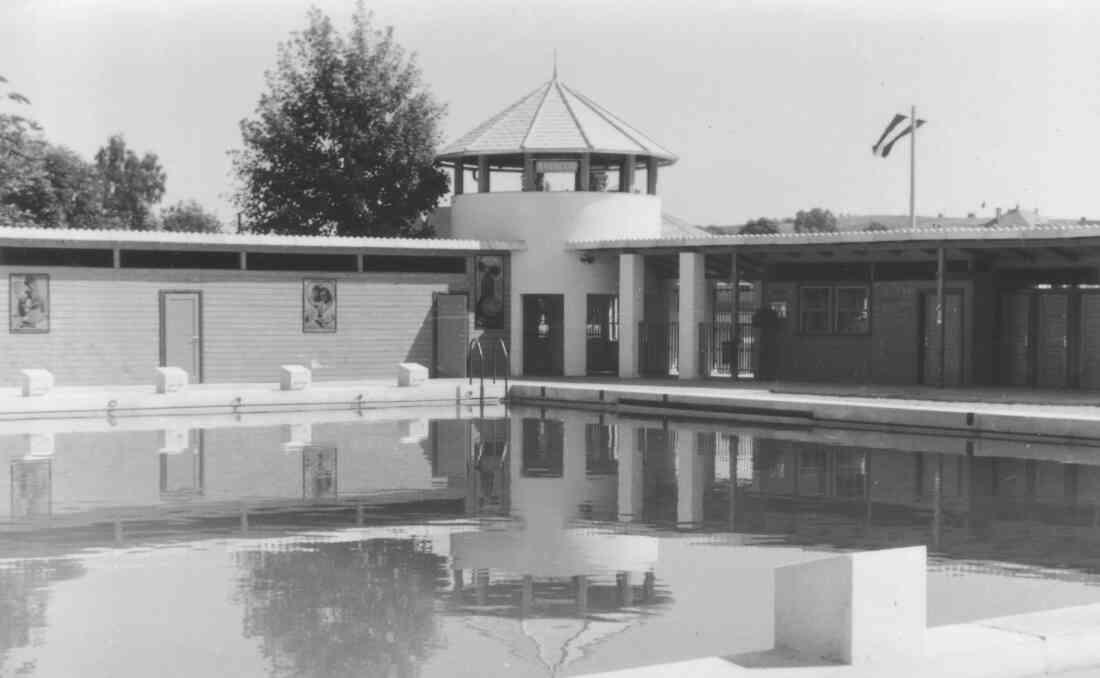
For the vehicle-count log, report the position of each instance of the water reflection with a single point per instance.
(560, 542)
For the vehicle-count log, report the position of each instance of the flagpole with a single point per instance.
(913, 168)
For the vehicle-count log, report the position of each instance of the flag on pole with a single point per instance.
(883, 149)
(898, 118)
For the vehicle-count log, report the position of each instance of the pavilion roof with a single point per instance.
(555, 118)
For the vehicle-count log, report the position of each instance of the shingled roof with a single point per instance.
(555, 118)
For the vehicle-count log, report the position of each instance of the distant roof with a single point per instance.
(57, 237)
(555, 118)
(676, 227)
(1013, 218)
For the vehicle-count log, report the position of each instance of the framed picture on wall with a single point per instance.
(319, 305)
(489, 307)
(29, 303)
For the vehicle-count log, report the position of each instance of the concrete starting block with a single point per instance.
(36, 382)
(170, 379)
(411, 374)
(857, 608)
(294, 377)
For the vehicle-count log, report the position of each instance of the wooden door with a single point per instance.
(602, 334)
(543, 335)
(953, 338)
(1015, 339)
(1089, 354)
(452, 336)
(1052, 340)
(181, 332)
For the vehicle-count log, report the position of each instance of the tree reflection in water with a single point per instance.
(24, 598)
(343, 609)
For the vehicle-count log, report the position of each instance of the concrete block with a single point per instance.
(175, 440)
(296, 436)
(294, 377)
(170, 379)
(39, 445)
(411, 374)
(413, 431)
(857, 608)
(36, 382)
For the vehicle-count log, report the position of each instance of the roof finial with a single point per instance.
(555, 63)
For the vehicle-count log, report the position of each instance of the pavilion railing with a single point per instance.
(723, 353)
(658, 349)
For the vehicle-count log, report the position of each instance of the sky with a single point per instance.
(771, 107)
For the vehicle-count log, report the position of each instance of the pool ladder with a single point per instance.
(475, 343)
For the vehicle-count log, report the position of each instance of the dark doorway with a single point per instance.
(452, 335)
(953, 339)
(181, 332)
(602, 334)
(1015, 339)
(543, 337)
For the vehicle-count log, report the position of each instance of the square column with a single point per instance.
(630, 479)
(689, 480)
(693, 298)
(631, 311)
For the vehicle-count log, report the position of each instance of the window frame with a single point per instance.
(836, 310)
(828, 310)
(832, 310)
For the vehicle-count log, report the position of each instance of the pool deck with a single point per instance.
(1049, 643)
(1070, 415)
(66, 402)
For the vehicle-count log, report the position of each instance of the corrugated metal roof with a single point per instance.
(555, 117)
(109, 238)
(1052, 231)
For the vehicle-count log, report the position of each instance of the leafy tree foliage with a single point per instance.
(189, 216)
(131, 185)
(20, 154)
(815, 220)
(62, 190)
(877, 226)
(343, 140)
(760, 226)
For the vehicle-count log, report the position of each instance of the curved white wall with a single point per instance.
(546, 222)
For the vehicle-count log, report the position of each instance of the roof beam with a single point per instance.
(1024, 254)
(1065, 254)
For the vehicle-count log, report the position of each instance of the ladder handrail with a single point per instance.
(475, 342)
(507, 362)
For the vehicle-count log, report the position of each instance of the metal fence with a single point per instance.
(721, 350)
(658, 349)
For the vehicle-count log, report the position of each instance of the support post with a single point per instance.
(735, 313)
(631, 311)
(116, 258)
(460, 176)
(529, 173)
(626, 174)
(941, 334)
(689, 480)
(584, 173)
(244, 261)
(482, 174)
(631, 485)
(913, 168)
(693, 291)
(651, 175)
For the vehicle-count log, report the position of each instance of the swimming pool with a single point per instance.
(546, 542)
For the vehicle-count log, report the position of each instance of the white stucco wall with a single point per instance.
(546, 222)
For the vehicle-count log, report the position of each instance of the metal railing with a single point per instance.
(658, 348)
(500, 348)
(725, 353)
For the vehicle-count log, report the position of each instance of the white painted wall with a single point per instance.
(546, 222)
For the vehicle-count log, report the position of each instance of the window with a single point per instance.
(843, 309)
(814, 308)
(852, 310)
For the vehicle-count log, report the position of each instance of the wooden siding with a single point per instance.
(104, 324)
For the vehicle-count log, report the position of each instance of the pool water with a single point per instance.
(541, 543)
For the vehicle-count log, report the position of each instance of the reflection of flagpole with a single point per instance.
(913, 168)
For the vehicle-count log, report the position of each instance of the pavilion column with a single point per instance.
(460, 176)
(482, 174)
(631, 310)
(941, 335)
(651, 175)
(693, 295)
(626, 174)
(529, 172)
(584, 173)
(689, 480)
(631, 484)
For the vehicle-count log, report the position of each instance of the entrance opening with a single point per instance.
(602, 334)
(181, 332)
(543, 338)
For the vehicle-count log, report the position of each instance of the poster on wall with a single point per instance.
(29, 302)
(319, 305)
(489, 309)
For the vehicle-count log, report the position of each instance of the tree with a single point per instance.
(20, 155)
(189, 217)
(131, 185)
(62, 191)
(816, 220)
(760, 226)
(877, 226)
(344, 138)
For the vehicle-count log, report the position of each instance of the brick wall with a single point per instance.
(105, 324)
